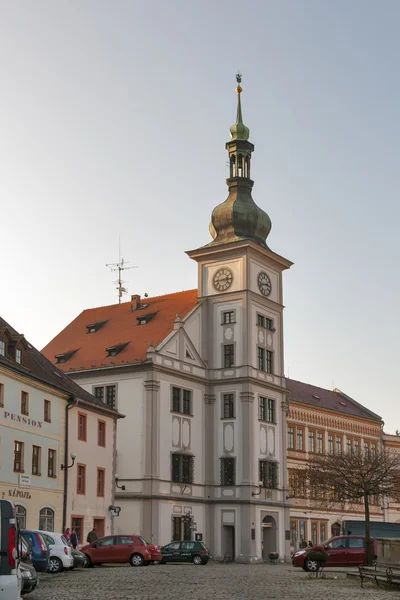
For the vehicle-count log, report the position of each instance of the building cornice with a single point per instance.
(34, 382)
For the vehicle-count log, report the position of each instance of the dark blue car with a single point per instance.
(39, 548)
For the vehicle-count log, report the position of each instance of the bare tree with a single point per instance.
(348, 478)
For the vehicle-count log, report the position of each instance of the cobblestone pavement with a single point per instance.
(209, 582)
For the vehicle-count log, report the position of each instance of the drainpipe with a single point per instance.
(68, 406)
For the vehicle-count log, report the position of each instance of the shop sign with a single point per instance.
(22, 419)
(25, 480)
(15, 493)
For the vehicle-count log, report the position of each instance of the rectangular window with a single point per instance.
(18, 356)
(320, 442)
(36, 460)
(51, 463)
(338, 445)
(176, 529)
(2, 348)
(99, 393)
(229, 356)
(349, 445)
(19, 457)
(182, 468)
(111, 391)
(100, 482)
(229, 406)
(271, 411)
(269, 324)
(290, 436)
(81, 479)
(176, 399)
(187, 402)
(311, 441)
(373, 450)
(24, 403)
(228, 471)
(299, 439)
(260, 320)
(228, 317)
(268, 361)
(268, 472)
(1, 394)
(47, 411)
(261, 358)
(262, 409)
(82, 427)
(101, 433)
(356, 446)
(330, 443)
(366, 448)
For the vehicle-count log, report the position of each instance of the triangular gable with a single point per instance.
(178, 345)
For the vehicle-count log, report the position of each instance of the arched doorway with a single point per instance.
(46, 519)
(336, 529)
(20, 515)
(268, 537)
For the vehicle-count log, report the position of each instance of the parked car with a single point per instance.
(39, 549)
(155, 552)
(60, 551)
(80, 559)
(118, 549)
(195, 552)
(344, 550)
(29, 578)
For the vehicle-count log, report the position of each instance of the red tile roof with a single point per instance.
(118, 326)
(327, 399)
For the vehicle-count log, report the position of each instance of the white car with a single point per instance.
(60, 551)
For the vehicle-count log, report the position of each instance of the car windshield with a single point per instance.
(143, 541)
(64, 541)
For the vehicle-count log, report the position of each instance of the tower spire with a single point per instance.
(239, 131)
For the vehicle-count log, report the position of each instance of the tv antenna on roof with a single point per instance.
(119, 267)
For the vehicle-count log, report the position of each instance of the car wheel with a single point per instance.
(89, 563)
(55, 564)
(137, 560)
(311, 565)
(197, 560)
(156, 562)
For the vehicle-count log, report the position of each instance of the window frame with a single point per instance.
(260, 320)
(100, 482)
(262, 409)
(47, 411)
(268, 472)
(181, 400)
(229, 356)
(291, 437)
(1, 394)
(228, 401)
(2, 348)
(311, 436)
(82, 437)
(104, 436)
(21, 454)
(269, 361)
(52, 472)
(24, 400)
(261, 358)
(18, 356)
(300, 436)
(38, 462)
(182, 468)
(271, 410)
(228, 471)
(81, 490)
(228, 317)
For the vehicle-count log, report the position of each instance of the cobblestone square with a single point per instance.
(212, 582)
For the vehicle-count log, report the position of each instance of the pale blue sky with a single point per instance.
(113, 119)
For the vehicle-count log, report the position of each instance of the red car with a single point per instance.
(344, 551)
(120, 549)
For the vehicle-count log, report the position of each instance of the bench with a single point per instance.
(381, 572)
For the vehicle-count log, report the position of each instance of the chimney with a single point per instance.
(135, 300)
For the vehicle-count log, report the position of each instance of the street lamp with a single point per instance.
(120, 487)
(73, 457)
(260, 486)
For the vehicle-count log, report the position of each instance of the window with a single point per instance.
(51, 463)
(229, 406)
(311, 441)
(100, 482)
(228, 470)
(373, 450)
(187, 529)
(187, 546)
(2, 348)
(1, 394)
(261, 358)
(46, 519)
(108, 541)
(81, 479)
(320, 442)
(290, 436)
(18, 356)
(262, 409)
(93, 327)
(339, 543)
(47, 411)
(181, 401)
(260, 320)
(24, 403)
(99, 393)
(330, 443)
(111, 391)
(182, 468)
(228, 317)
(268, 472)
(101, 433)
(20, 515)
(268, 361)
(124, 539)
(300, 439)
(356, 446)
(176, 532)
(356, 542)
(77, 524)
(229, 356)
(269, 324)
(338, 445)
(322, 532)
(349, 445)
(266, 411)
(271, 411)
(82, 427)
(19, 457)
(366, 448)
(115, 350)
(36, 460)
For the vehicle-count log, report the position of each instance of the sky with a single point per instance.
(114, 118)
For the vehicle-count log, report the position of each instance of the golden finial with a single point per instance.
(239, 80)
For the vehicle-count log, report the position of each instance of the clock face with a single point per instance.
(223, 279)
(264, 283)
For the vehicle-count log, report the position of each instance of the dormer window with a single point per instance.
(142, 320)
(18, 356)
(2, 348)
(62, 358)
(114, 350)
(94, 327)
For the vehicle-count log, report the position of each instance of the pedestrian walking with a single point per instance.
(67, 535)
(92, 536)
(74, 539)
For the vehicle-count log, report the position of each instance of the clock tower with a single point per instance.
(240, 287)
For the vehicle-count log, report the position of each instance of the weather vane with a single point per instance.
(239, 77)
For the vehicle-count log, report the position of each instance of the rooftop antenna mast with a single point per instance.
(119, 267)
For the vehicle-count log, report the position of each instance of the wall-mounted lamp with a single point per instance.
(120, 487)
(260, 487)
(73, 457)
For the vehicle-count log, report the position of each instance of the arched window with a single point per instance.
(336, 529)
(20, 514)
(46, 519)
